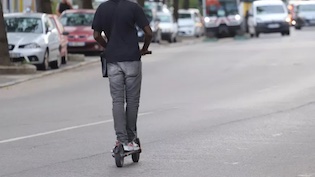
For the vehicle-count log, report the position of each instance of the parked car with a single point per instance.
(78, 23)
(63, 48)
(304, 14)
(190, 23)
(97, 3)
(151, 15)
(33, 37)
(168, 26)
(268, 16)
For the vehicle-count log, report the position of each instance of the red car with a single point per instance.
(63, 38)
(78, 23)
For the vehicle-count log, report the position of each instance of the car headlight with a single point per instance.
(288, 19)
(259, 20)
(207, 19)
(237, 17)
(30, 46)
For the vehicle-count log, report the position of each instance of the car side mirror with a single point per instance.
(65, 33)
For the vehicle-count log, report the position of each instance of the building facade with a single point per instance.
(10, 6)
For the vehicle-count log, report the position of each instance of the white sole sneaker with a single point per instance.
(128, 148)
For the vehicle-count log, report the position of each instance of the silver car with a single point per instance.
(33, 38)
(304, 14)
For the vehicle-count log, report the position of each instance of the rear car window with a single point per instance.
(77, 19)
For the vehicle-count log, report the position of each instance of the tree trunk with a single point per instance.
(87, 4)
(141, 3)
(44, 6)
(4, 52)
(175, 6)
(186, 4)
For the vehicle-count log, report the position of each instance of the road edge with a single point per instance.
(81, 64)
(47, 73)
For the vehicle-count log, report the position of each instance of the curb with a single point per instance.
(47, 73)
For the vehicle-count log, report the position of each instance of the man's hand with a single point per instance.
(99, 38)
(145, 52)
(147, 40)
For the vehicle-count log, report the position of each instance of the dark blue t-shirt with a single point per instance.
(122, 42)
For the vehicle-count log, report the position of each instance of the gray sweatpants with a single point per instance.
(125, 85)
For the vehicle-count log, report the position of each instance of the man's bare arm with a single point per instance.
(99, 38)
(147, 40)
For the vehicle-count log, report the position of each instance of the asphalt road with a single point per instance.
(232, 108)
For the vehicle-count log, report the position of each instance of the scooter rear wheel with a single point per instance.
(136, 156)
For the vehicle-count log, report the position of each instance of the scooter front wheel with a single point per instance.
(119, 156)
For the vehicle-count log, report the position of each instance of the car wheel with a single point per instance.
(288, 33)
(56, 64)
(285, 33)
(175, 39)
(298, 27)
(169, 38)
(257, 34)
(45, 65)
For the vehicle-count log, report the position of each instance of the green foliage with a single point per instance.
(54, 4)
(192, 4)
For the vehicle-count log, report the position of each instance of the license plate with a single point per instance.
(273, 26)
(76, 44)
(15, 55)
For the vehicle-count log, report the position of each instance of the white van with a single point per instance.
(190, 23)
(268, 16)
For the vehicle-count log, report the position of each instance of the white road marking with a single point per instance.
(278, 134)
(305, 175)
(62, 130)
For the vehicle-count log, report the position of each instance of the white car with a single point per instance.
(190, 23)
(304, 14)
(33, 38)
(168, 26)
(268, 16)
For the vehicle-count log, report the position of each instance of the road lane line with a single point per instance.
(62, 130)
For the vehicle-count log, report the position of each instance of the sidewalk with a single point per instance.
(9, 80)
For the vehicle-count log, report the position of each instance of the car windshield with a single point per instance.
(224, 9)
(77, 19)
(270, 9)
(165, 18)
(184, 15)
(307, 8)
(148, 13)
(24, 25)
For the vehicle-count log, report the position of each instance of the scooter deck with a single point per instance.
(128, 153)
